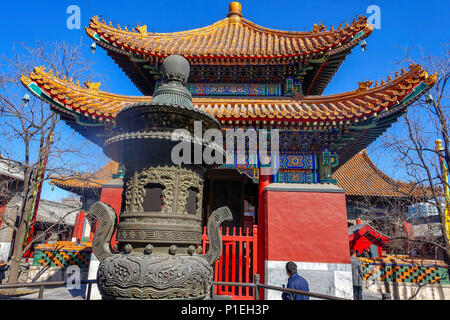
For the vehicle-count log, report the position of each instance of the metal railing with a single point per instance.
(42, 285)
(256, 286)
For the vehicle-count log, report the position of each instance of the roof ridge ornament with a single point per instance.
(93, 86)
(235, 10)
(364, 85)
(318, 28)
(430, 79)
(141, 29)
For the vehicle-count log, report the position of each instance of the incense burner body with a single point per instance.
(160, 225)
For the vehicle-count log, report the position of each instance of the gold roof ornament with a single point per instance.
(25, 80)
(439, 146)
(93, 86)
(235, 9)
(141, 29)
(318, 28)
(364, 85)
(430, 79)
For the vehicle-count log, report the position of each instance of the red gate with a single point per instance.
(238, 262)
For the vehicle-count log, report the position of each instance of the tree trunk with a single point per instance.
(20, 236)
(17, 253)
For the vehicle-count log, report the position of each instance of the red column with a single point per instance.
(2, 211)
(79, 233)
(264, 181)
(93, 228)
(76, 226)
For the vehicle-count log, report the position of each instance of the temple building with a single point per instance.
(371, 194)
(251, 77)
(49, 213)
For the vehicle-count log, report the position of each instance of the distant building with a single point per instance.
(422, 210)
(365, 237)
(62, 214)
(424, 221)
(49, 212)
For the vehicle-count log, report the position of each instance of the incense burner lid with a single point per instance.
(175, 68)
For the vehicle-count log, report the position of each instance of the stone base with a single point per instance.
(410, 291)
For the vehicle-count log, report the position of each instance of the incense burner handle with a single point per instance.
(106, 217)
(216, 218)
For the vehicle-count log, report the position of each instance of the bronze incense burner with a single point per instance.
(160, 224)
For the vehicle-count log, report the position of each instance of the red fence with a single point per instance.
(238, 262)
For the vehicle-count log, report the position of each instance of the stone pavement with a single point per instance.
(59, 293)
(369, 295)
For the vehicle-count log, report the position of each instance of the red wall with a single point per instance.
(306, 226)
(363, 243)
(360, 244)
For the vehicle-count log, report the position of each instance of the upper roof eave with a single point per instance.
(228, 38)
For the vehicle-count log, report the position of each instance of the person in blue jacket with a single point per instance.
(296, 282)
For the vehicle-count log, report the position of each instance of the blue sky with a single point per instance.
(403, 24)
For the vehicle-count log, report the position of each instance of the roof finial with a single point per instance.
(438, 143)
(235, 9)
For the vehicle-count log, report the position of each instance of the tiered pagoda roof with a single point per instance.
(353, 119)
(312, 56)
(92, 104)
